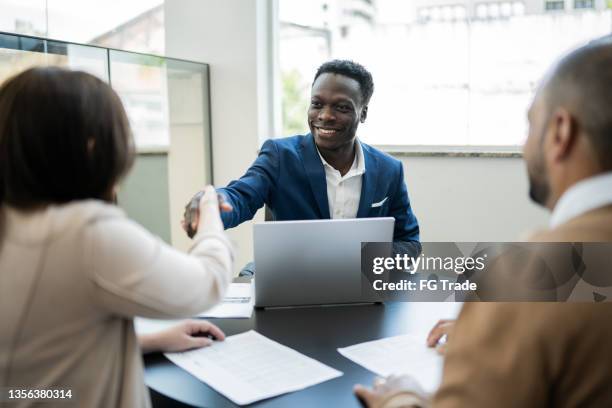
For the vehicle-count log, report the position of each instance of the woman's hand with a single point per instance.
(189, 334)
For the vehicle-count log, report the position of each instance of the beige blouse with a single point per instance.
(73, 276)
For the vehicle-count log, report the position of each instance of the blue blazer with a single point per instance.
(288, 176)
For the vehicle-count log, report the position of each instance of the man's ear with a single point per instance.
(563, 134)
(364, 114)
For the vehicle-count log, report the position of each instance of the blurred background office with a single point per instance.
(205, 82)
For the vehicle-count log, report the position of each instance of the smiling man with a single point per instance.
(327, 173)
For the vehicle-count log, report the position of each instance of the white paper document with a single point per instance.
(237, 303)
(406, 354)
(249, 367)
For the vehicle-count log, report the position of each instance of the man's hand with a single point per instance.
(386, 389)
(439, 336)
(186, 335)
(191, 217)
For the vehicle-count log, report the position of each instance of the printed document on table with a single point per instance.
(237, 303)
(406, 354)
(249, 367)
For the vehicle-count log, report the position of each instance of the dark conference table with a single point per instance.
(314, 331)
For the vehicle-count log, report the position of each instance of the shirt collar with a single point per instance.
(358, 166)
(584, 196)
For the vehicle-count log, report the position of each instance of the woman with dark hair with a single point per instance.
(74, 271)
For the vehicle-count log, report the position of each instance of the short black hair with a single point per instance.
(582, 81)
(352, 70)
(64, 136)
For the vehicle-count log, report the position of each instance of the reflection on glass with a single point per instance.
(141, 82)
(189, 165)
(167, 102)
(145, 84)
(18, 53)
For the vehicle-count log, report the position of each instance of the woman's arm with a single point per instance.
(134, 273)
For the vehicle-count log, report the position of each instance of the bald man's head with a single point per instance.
(582, 83)
(570, 123)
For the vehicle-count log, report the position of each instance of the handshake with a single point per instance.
(206, 202)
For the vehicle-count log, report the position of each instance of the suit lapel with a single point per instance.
(316, 174)
(368, 184)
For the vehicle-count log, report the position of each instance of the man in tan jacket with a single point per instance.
(541, 354)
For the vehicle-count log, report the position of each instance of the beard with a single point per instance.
(538, 191)
(539, 187)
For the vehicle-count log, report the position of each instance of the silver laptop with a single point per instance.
(313, 262)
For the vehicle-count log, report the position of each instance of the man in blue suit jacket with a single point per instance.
(288, 176)
(327, 173)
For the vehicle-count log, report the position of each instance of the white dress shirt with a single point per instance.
(344, 192)
(584, 196)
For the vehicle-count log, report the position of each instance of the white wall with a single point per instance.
(227, 35)
(471, 198)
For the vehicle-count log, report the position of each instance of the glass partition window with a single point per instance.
(446, 72)
(167, 102)
(144, 83)
(18, 53)
(141, 82)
